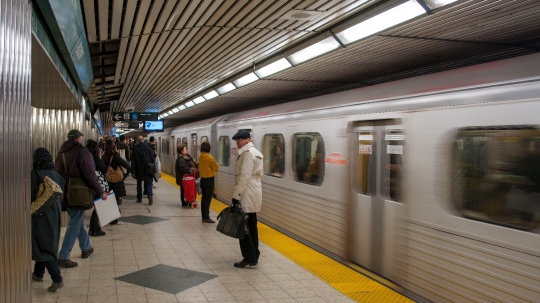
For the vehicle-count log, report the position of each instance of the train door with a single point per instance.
(175, 153)
(193, 147)
(377, 192)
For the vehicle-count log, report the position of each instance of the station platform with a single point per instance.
(163, 253)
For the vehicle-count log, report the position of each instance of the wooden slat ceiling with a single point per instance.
(153, 54)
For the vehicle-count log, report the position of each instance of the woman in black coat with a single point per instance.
(46, 222)
(112, 157)
(184, 165)
(93, 147)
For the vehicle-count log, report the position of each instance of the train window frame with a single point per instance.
(204, 139)
(304, 167)
(164, 148)
(365, 182)
(221, 148)
(392, 165)
(270, 154)
(491, 172)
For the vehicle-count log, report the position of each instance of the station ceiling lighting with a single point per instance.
(433, 4)
(273, 68)
(175, 110)
(181, 107)
(315, 50)
(165, 115)
(170, 112)
(210, 95)
(226, 88)
(199, 100)
(247, 79)
(382, 21)
(189, 104)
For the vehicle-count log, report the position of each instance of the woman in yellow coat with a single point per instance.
(208, 167)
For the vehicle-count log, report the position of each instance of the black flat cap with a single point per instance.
(74, 134)
(242, 135)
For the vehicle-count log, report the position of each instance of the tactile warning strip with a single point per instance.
(346, 280)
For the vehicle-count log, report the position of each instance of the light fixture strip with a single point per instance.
(210, 95)
(273, 68)
(314, 50)
(245, 80)
(226, 88)
(382, 21)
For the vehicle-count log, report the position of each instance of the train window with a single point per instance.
(274, 154)
(308, 158)
(394, 142)
(224, 151)
(496, 175)
(184, 141)
(165, 146)
(204, 139)
(366, 165)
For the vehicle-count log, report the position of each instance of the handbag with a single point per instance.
(78, 193)
(232, 222)
(149, 168)
(114, 175)
(48, 193)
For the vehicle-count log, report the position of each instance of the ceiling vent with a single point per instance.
(302, 15)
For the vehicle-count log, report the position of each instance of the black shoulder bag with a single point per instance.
(232, 222)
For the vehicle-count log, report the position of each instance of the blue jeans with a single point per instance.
(75, 230)
(147, 187)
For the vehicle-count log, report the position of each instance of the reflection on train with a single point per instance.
(432, 182)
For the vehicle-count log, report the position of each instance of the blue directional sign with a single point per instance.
(134, 116)
(141, 117)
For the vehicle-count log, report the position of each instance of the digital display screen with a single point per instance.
(153, 126)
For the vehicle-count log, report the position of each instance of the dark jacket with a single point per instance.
(142, 154)
(119, 188)
(46, 227)
(80, 164)
(184, 166)
(100, 165)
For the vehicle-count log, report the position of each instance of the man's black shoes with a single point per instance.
(244, 263)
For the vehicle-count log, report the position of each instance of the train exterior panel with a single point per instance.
(421, 180)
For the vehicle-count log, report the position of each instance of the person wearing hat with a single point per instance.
(80, 164)
(248, 191)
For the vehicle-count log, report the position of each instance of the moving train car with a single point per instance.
(432, 182)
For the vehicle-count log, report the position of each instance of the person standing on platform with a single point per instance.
(248, 191)
(141, 156)
(122, 145)
(208, 167)
(184, 165)
(94, 229)
(46, 225)
(80, 164)
(112, 158)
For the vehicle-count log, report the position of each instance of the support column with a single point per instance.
(15, 154)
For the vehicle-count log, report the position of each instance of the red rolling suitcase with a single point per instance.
(190, 190)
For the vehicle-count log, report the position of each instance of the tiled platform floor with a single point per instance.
(182, 241)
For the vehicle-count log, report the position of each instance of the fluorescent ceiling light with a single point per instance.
(181, 107)
(273, 68)
(199, 100)
(433, 4)
(382, 21)
(226, 88)
(247, 79)
(175, 110)
(189, 104)
(170, 112)
(210, 95)
(317, 49)
(165, 115)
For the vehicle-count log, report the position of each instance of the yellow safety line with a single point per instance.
(346, 280)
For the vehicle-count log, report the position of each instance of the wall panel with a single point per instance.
(15, 159)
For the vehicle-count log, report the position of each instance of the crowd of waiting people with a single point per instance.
(53, 182)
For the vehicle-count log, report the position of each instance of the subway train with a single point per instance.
(432, 182)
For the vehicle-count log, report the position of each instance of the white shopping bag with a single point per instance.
(107, 210)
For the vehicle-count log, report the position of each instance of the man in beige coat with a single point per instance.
(248, 190)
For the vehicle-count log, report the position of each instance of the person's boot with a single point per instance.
(55, 286)
(36, 278)
(150, 201)
(66, 263)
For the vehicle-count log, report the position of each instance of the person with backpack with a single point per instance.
(143, 169)
(45, 221)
